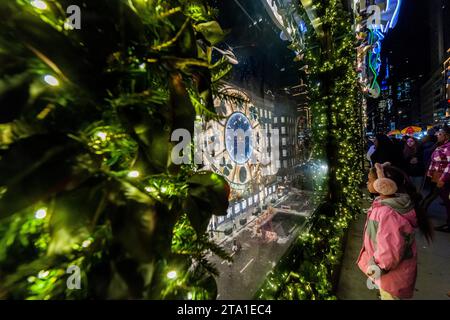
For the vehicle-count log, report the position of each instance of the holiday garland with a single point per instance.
(309, 268)
(86, 181)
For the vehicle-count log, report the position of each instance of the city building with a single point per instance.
(434, 95)
(407, 102)
(433, 103)
(263, 87)
(381, 114)
(254, 185)
(285, 121)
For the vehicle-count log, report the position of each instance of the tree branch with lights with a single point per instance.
(86, 180)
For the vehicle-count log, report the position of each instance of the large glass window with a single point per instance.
(262, 54)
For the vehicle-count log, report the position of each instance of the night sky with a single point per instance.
(407, 46)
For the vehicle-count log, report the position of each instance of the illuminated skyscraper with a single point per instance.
(434, 101)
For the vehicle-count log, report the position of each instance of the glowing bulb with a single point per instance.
(51, 80)
(163, 189)
(41, 213)
(42, 274)
(189, 296)
(142, 66)
(102, 135)
(86, 243)
(31, 279)
(172, 275)
(133, 174)
(150, 189)
(39, 4)
(68, 26)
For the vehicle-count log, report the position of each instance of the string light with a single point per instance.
(68, 26)
(102, 135)
(86, 243)
(41, 213)
(51, 80)
(43, 274)
(172, 275)
(39, 4)
(133, 174)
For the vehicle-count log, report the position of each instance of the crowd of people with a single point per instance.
(426, 162)
(405, 177)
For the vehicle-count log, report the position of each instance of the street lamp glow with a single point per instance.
(41, 213)
(172, 275)
(39, 4)
(51, 80)
(133, 174)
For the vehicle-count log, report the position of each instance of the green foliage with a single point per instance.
(186, 241)
(86, 118)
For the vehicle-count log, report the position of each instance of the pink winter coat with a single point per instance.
(389, 244)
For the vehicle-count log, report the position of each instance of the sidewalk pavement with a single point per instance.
(433, 278)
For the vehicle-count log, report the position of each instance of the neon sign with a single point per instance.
(383, 16)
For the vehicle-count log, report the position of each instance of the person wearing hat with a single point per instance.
(439, 173)
(389, 255)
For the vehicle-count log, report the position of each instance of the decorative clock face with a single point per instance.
(238, 138)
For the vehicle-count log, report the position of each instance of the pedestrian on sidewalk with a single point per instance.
(439, 173)
(414, 163)
(236, 246)
(386, 151)
(230, 265)
(429, 144)
(389, 255)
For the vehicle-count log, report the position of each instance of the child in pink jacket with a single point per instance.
(389, 255)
